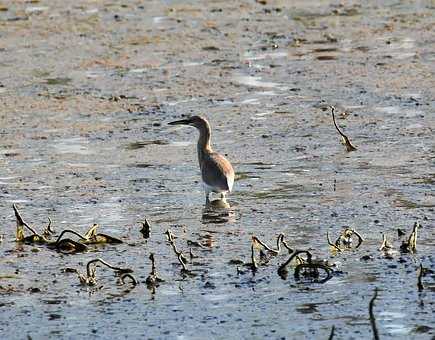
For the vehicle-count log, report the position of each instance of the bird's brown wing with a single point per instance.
(217, 172)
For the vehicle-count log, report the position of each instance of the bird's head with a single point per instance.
(195, 121)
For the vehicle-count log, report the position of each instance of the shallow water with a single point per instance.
(85, 140)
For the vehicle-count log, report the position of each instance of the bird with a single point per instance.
(217, 173)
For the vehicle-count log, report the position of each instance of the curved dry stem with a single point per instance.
(360, 238)
(117, 269)
(49, 228)
(314, 266)
(181, 258)
(283, 268)
(290, 250)
(67, 244)
(129, 276)
(69, 231)
(335, 123)
(264, 245)
(332, 244)
(385, 244)
(92, 232)
(20, 221)
(280, 240)
(347, 143)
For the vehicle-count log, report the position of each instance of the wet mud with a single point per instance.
(87, 89)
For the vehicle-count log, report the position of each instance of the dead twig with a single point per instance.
(180, 256)
(282, 270)
(48, 231)
(284, 243)
(331, 335)
(313, 271)
(146, 229)
(264, 245)
(69, 231)
(345, 139)
(386, 245)
(116, 269)
(254, 265)
(372, 315)
(21, 224)
(421, 273)
(153, 278)
(133, 280)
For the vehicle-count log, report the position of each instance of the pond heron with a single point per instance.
(216, 171)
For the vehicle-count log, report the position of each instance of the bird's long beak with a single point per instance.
(180, 122)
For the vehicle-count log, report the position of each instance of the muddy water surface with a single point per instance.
(87, 89)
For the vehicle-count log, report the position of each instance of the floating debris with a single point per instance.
(345, 139)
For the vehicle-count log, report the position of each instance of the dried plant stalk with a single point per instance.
(345, 139)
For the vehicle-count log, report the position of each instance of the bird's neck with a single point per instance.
(204, 145)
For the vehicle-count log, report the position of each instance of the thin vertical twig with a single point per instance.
(372, 315)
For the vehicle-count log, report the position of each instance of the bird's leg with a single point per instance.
(207, 199)
(223, 198)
